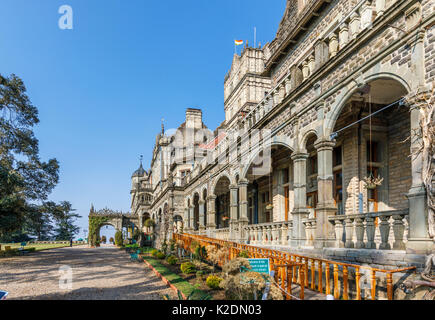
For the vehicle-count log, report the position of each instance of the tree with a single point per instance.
(24, 178)
(38, 222)
(118, 238)
(64, 218)
(111, 240)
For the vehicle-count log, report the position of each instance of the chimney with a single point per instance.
(193, 118)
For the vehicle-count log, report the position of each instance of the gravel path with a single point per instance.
(104, 273)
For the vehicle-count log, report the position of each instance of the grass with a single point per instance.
(38, 247)
(181, 284)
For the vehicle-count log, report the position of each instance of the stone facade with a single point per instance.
(330, 102)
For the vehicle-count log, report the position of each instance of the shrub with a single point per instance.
(244, 254)
(213, 282)
(188, 268)
(103, 239)
(160, 255)
(200, 274)
(172, 260)
(154, 252)
(233, 267)
(118, 238)
(111, 240)
(149, 223)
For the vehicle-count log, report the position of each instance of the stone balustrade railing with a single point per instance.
(273, 233)
(378, 230)
(222, 234)
(310, 230)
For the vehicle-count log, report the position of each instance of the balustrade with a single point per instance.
(359, 230)
(269, 234)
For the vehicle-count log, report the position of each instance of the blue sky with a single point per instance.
(103, 87)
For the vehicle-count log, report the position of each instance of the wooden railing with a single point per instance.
(287, 273)
(307, 272)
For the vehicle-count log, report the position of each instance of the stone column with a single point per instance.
(201, 216)
(243, 209)
(211, 211)
(171, 223)
(191, 217)
(324, 233)
(233, 212)
(418, 238)
(186, 221)
(300, 211)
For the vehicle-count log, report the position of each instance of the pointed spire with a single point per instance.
(163, 126)
(140, 159)
(92, 208)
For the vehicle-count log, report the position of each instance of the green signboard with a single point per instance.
(260, 265)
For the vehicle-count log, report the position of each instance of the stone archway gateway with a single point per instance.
(117, 219)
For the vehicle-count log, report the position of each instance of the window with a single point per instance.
(338, 191)
(373, 154)
(312, 202)
(286, 175)
(337, 159)
(313, 165)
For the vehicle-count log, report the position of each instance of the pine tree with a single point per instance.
(24, 178)
(64, 218)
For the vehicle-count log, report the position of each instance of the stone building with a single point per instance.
(314, 154)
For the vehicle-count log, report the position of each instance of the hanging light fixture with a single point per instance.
(371, 181)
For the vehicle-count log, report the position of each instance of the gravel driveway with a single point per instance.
(104, 273)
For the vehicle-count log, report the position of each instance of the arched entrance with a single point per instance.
(222, 202)
(376, 149)
(270, 188)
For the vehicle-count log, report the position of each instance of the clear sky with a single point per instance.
(103, 87)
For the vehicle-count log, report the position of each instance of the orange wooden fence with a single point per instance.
(311, 273)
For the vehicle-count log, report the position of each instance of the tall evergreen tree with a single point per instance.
(24, 178)
(64, 218)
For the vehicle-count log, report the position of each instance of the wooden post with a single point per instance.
(345, 283)
(328, 288)
(320, 269)
(390, 286)
(302, 282)
(357, 280)
(373, 276)
(336, 288)
(313, 274)
(289, 280)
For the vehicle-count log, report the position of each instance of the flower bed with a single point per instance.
(186, 283)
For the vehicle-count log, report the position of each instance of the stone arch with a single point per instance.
(275, 141)
(204, 188)
(337, 108)
(216, 180)
(305, 137)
